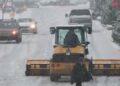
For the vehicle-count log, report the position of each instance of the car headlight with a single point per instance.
(14, 32)
(32, 26)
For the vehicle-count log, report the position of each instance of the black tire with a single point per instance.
(34, 32)
(27, 73)
(90, 30)
(54, 78)
(18, 40)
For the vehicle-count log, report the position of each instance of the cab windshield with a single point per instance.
(62, 32)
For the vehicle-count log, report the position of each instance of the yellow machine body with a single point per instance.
(64, 59)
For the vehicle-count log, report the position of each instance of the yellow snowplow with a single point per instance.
(62, 63)
(65, 56)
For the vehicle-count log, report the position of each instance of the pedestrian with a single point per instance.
(78, 73)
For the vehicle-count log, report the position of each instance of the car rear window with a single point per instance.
(80, 20)
(80, 12)
(25, 20)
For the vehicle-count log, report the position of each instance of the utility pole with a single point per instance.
(4, 4)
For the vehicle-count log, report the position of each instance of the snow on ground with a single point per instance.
(13, 56)
(101, 42)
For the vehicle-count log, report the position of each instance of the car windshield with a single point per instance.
(25, 20)
(79, 12)
(7, 25)
(63, 31)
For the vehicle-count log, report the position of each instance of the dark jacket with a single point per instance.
(77, 73)
(71, 39)
(80, 74)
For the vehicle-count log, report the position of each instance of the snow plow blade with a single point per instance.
(37, 67)
(106, 67)
(99, 67)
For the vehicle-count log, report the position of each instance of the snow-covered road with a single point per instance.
(13, 56)
(102, 43)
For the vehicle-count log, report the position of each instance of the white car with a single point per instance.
(28, 25)
(81, 16)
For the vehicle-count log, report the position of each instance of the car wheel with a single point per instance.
(18, 40)
(54, 78)
(35, 32)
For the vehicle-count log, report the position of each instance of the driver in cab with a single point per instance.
(71, 39)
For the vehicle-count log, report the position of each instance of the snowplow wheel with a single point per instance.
(27, 73)
(54, 78)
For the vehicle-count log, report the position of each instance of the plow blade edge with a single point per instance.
(106, 67)
(37, 67)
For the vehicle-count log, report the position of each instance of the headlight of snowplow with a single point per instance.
(32, 26)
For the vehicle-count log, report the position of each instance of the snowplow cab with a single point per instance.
(65, 55)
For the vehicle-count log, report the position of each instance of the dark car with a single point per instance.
(116, 33)
(28, 25)
(10, 30)
(81, 16)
